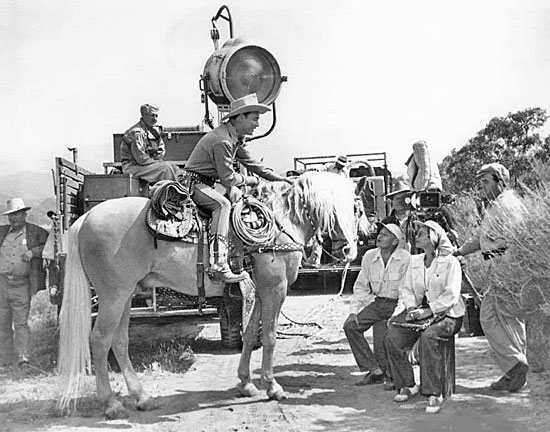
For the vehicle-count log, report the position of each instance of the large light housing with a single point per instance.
(238, 69)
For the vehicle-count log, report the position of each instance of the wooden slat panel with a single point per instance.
(79, 177)
(73, 167)
(73, 200)
(70, 183)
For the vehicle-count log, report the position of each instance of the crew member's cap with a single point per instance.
(246, 104)
(400, 186)
(394, 229)
(15, 205)
(341, 162)
(497, 170)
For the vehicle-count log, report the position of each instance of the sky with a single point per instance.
(363, 76)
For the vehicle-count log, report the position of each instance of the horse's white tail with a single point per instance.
(74, 322)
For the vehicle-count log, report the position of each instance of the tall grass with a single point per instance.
(159, 352)
(522, 277)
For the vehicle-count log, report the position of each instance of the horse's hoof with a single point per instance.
(148, 404)
(248, 390)
(277, 394)
(116, 411)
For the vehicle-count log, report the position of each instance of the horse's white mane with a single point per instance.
(316, 195)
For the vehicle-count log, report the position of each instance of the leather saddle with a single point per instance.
(173, 216)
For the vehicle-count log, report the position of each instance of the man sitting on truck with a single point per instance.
(142, 149)
(212, 160)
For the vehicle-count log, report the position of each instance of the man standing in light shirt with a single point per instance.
(21, 245)
(375, 296)
(503, 327)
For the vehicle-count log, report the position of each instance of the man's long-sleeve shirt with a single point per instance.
(142, 146)
(214, 154)
(378, 280)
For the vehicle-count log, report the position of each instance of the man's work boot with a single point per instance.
(518, 377)
(218, 261)
(502, 384)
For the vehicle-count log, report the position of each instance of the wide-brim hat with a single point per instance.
(246, 104)
(400, 186)
(15, 205)
(342, 161)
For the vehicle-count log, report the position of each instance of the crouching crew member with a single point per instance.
(430, 287)
(374, 300)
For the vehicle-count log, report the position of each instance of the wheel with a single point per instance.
(230, 331)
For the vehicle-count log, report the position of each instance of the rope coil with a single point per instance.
(253, 222)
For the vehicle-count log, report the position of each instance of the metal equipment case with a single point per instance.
(98, 188)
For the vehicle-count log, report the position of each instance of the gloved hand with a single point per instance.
(252, 181)
(234, 194)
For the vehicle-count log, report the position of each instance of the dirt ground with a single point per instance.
(316, 368)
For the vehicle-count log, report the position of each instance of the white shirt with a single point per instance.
(440, 283)
(378, 280)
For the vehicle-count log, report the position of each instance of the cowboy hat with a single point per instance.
(246, 104)
(15, 205)
(342, 161)
(400, 186)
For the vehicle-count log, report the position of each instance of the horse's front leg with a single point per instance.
(246, 387)
(272, 302)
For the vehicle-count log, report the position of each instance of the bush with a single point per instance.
(524, 280)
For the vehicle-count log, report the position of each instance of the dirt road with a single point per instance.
(318, 373)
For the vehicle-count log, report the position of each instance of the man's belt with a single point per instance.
(386, 299)
(11, 277)
(207, 180)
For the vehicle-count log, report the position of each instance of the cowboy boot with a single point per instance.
(218, 261)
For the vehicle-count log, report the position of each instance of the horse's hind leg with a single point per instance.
(120, 348)
(271, 307)
(101, 338)
(246, 387)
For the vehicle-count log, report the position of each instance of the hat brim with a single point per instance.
(261, 108)
(397, 192)
(399, 235)
(16, 210)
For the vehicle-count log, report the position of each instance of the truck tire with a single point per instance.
(231, 332)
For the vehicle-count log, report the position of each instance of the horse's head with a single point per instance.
(324, 203)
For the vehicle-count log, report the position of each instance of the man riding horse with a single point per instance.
(212, 160)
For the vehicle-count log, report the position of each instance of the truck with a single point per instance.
(366, 170)
(232, 71)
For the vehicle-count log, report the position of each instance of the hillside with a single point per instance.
(37, 191)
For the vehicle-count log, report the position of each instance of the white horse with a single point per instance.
(111, 249)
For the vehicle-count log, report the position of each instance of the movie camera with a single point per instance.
(429, 201)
